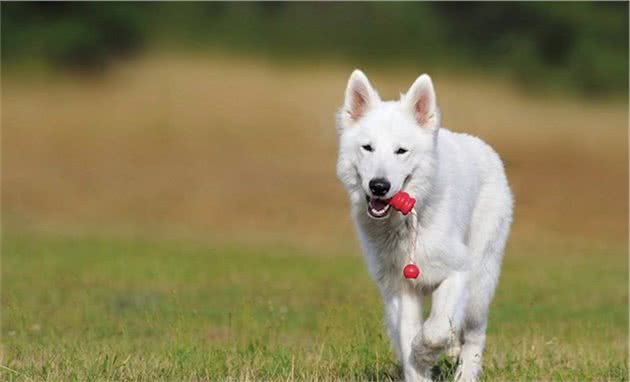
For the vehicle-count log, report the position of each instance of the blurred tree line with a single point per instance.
(581, 46)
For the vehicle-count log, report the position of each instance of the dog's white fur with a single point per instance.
(464, 212)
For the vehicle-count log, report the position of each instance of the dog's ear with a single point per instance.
(420, 100)
(360, 97)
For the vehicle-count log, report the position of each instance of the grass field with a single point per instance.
(95, 309)
(179, 219)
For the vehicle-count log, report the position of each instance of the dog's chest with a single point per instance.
(387, 251)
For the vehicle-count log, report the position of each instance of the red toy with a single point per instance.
(411, 271)
(402, 202)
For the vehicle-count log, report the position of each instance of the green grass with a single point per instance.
(77, 308)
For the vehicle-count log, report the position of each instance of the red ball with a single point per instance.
(411, 271)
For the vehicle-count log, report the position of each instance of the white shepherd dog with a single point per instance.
(463, 214)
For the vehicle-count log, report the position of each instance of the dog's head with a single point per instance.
(386, 146)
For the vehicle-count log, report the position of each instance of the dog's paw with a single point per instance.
(424, 352)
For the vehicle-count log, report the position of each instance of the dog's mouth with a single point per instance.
(377, 208)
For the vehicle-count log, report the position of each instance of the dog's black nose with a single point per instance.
(379, 186)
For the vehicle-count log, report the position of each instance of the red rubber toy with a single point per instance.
(411, 271)
(402, 202)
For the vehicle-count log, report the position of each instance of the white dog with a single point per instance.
(463, 214)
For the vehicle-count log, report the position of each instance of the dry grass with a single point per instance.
(217, 145)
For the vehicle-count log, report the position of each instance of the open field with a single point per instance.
(179, 219)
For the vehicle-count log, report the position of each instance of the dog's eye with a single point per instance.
(367, 148)
(401, 151)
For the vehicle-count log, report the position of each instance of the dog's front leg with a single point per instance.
(403, 315)
(444, 323)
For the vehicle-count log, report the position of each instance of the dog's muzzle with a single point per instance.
(377, 208)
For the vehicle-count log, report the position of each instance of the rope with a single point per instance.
(414, 235)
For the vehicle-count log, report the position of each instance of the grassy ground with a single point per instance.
(95, 309)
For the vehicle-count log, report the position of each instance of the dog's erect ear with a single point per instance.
(360, 96)
(420, 99)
